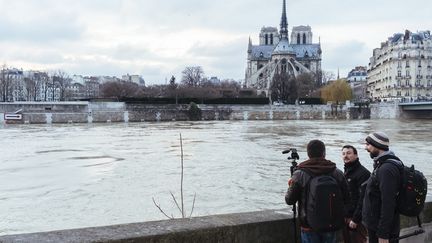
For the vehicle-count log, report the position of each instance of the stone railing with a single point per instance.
(261, 226)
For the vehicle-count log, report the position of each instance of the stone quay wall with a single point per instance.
(260, 227)
(97, 112)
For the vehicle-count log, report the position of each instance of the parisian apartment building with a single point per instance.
(401, 69)
(357, 79)
(29, 85)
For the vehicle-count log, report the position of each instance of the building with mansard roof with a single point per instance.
(275, 54)
(402, 68)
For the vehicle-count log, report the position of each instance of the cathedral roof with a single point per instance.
(302, 28)
(283, 47)
(264, 52)
(306, 50)
(261, 52)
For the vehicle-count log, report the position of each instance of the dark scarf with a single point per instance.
(351, 165)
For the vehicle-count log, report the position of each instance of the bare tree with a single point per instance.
(119, 89)
(305, 84)
(192, 76)
(30, 86)
(180, 208)
(61, 81)
(327, 76)
(5, 84)
(284, 88)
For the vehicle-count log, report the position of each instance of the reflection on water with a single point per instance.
(70, 176)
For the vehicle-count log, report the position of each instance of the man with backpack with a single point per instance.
(321, 192)
(356, 175)
(380, 214)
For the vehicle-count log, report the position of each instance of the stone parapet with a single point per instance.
(262, 226)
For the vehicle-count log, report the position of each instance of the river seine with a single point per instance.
(79, 175)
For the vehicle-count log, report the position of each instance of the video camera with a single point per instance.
(294, 156)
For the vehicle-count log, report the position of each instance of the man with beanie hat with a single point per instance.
(380, 213)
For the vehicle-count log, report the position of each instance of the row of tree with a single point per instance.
(41, 86)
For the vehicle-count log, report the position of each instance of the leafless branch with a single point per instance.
(193, 205)
(181, 183)
(160, 209)
(176, 203)
(181, 209)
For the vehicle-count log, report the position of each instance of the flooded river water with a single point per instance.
(79, 175)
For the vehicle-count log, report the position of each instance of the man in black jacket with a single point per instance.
(356, 176)
(380, 213)
(297, 191)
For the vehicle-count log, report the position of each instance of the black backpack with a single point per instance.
(324, 205)
(413, 190)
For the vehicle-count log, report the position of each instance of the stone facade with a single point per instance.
(402, 68)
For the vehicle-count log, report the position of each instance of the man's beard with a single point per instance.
(373, 154)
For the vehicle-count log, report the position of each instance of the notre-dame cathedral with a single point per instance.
(276, 54)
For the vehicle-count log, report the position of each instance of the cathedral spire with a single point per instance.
(284, 23)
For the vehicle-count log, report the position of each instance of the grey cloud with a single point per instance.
(226, 61)
(41, 30)
(130, 52)
(345, 56)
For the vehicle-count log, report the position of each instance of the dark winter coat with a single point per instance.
(300, 178)
(356, 175)
(380, 201)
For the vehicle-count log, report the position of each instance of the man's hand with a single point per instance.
(352, 225)
(383, 240)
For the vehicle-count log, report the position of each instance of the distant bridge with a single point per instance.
(416, 106)
(416, 109)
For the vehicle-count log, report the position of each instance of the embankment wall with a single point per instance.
(262, 226)
(94, 112)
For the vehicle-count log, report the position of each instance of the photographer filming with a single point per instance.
(322, 194)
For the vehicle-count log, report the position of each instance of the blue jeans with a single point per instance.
(315, 237)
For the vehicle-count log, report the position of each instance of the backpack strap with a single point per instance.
(391, 158)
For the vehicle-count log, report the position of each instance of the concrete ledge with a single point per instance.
(261, 226)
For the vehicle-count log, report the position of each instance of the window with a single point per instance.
(271, 39)
(266, 39)
(399, 73)
(298, 38)
(407, 63)
(304, 38)
(284, 65)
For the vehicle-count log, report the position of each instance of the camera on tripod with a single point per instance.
(293, 157)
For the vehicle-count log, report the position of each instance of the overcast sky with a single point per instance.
(157, 39)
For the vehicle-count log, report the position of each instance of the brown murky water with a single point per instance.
(70, 176)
